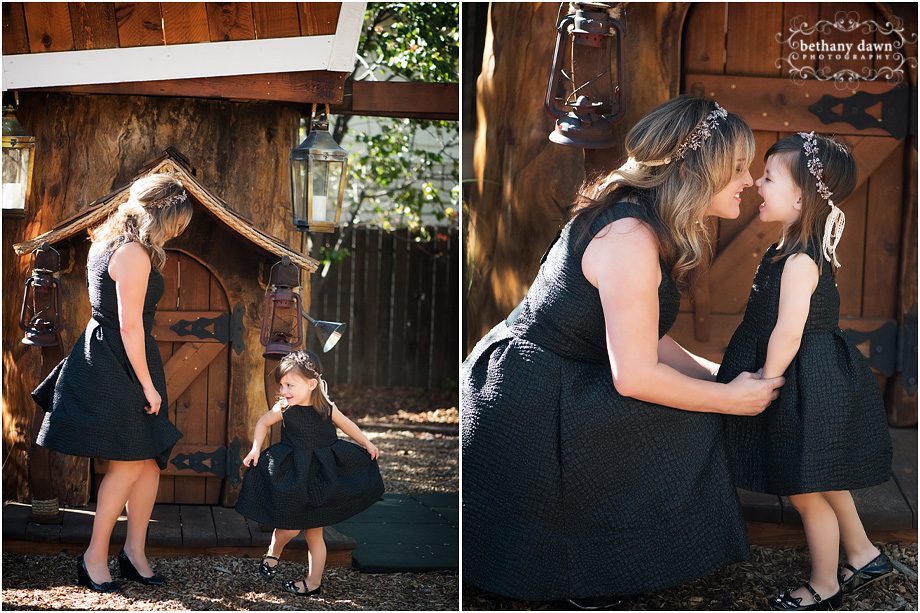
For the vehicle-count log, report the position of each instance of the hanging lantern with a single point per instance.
(282, 328)
(18, 160)
(318, 169)
(40, 316)
(584, 94)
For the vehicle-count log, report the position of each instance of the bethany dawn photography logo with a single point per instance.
(816, 51)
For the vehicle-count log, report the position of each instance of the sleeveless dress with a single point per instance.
(569, 489)
(94, 403)
(827, 430)
(311, 478)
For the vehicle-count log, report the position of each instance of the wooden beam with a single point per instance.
(402, 99)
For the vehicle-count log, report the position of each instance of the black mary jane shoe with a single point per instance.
(129, 572)
(787, 602)
(84, 579)
(288, 586)
(877, 569)
(598, 603)
(267, 571)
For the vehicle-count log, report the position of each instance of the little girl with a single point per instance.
(311, 478)
(827, 432)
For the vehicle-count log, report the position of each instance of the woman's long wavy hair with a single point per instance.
(306, 365)
(154, 212)
(676, 194)
(839, 174)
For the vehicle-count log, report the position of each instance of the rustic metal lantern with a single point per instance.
(318, 169)
(18, 160)
(591, 99)
(282, 328)
(40, 316)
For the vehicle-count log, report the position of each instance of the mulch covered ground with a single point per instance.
(410, 461)
(744, 587)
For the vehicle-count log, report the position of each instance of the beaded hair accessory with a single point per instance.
(694, 140)
(162, 203)
(302, 359)
(836, 220)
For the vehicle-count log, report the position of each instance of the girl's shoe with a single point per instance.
(877, 569)
(268, 571)
(129, 572)
(787, 602)
(595, 604)
(288, 586)
(84, 579)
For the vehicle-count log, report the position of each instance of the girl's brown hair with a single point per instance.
(677, 194)
(157, 210)
(839, 174)
(306, 364)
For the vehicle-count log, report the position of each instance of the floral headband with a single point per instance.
(836, 220)
(162, 203)
(696, 138)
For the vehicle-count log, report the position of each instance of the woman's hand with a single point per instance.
(752, 394)
(153, 400)
(371, 448)
(251, 458)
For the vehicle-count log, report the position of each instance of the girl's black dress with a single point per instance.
(827, 430)
(311, 478)
(570, 489)
(94, 402)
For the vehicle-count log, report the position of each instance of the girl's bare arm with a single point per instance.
(799, 280)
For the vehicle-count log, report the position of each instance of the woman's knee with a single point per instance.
(127, 467)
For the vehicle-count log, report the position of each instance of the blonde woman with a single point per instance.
(107, 399)
(593, 460)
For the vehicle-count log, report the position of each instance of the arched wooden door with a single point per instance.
(192, 330)
(730, 53)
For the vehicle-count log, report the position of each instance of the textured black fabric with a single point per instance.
(827, 430)
(94, 401)
(311, 478)
(570, 489)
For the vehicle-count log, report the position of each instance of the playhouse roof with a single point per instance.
(170, 163)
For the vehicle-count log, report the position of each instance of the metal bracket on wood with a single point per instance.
(220, 328)
(197, 461)
(894, 107)
(907, 351)
(882, 346)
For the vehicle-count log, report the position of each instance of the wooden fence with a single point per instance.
(399, 299)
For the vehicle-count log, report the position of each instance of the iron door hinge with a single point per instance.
(853, 110)
(221, 462)
(892, 348)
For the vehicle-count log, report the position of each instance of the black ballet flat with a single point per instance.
(877, 569)
(129, 572)
(267, 571)
(84, 579)
(598, 603)
(787, 602)
(288, 586)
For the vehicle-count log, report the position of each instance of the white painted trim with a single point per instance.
(347, 34)
(174, 61)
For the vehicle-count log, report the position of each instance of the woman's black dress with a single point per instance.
(311, 478)
(827, 430)
(94, 403)
(570, 489)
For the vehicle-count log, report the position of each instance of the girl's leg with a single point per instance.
(280, 538)
(859, 549)
(140, 506)
(317, 555)
(113, 494)
(823, 537)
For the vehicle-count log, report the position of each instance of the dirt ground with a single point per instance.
(743, 587)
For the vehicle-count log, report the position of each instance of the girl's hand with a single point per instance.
(371, 448)
(251, 458)
(752, 394)
(153, 401)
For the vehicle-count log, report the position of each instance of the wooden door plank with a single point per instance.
(165, 529)
(185, 22)
(704, 40)
(15, 37)
(48, 26)
(883, 237)
(197, 526)
(230, 21)
(231, 528)
(275, 19)
(733, 269)
(809, 13)
(187, 364)
(140, 24)
(318, 18)
(747, 22)
(778, 104)
(218, 393)
(94, 25)
(851, 253)
(168, 302)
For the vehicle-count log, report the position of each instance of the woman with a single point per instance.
(107, 399)
(593, 463)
